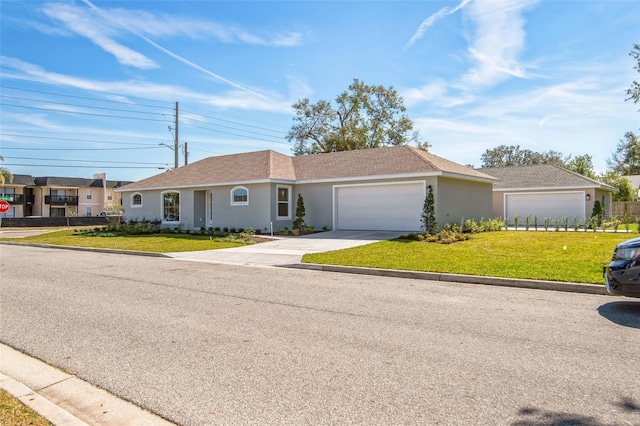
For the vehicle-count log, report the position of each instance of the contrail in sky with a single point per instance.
(427, 23)
(178, 57)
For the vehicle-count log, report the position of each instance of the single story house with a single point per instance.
(369, 189)
(545, 190)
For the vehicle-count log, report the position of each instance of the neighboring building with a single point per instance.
(369, 189)
(18, 194)
(635, 184)
(545, 190)
(59, 196)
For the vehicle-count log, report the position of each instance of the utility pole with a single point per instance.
(185, 152)
(175, 142)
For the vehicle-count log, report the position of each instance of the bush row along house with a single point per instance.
(30, 196)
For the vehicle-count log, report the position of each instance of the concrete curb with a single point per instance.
(94, 249)
(38, 403)
(465, 279)
(64, 399)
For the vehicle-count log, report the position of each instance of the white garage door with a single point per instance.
(553, 205)
(395, 207)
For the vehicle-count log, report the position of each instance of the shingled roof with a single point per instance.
(540, 176)
(263, 166)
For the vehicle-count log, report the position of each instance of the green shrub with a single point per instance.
(597, 212)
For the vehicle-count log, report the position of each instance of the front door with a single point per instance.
(199, 209)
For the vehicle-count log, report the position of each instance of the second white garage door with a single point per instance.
(554, 205)
(394, 207)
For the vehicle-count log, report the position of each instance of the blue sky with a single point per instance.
(90, 86)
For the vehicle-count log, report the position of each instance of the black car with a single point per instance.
(623, 273)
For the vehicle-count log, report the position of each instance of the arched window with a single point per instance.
(239, 196)
(171, 207)
(136, 200)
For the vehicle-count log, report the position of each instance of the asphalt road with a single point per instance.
(201, 343)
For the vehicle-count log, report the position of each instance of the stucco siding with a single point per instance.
(151, 208)
(255, 214)
(461, 199)
(318, 204)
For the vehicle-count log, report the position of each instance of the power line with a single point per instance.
(82, 149)
(85, 113)
(77, 105)
(83, 167)
(228, 127)
(76, 140)
(82, 161)
(234, 134)
(228, 121)
(87, 98)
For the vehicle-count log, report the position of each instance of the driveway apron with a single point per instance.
(287, 250)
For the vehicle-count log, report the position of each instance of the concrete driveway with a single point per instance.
(287, 250)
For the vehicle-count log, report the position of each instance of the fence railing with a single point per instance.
(631, 208)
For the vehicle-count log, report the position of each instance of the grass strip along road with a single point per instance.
(554, 256)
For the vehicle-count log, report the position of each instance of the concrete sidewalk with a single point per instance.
(287, 250)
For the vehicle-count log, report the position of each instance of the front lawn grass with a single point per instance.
(15, 413)
(159, 243)
(555, 256)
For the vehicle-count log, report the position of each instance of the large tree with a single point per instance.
(634, 90)
(582, 164)
(625, 190)
(363, 117)
(626, 160)
(512, 155)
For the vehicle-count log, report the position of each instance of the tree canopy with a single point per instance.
(5, 174)
(513, 155)
(625, 190)
(626, 159)
(582, 164)
(634, 90)
(363, 117)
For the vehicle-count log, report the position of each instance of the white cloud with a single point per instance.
(244, 98)
(427, 23)
(85, 24)
(496, 41)
(583, 116)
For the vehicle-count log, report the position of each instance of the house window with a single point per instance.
(284, 202)
(89, 195)
(89, 211)
(171, 207)
(239, 196)
(57, 212)
(136, 200)
(109, 197)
